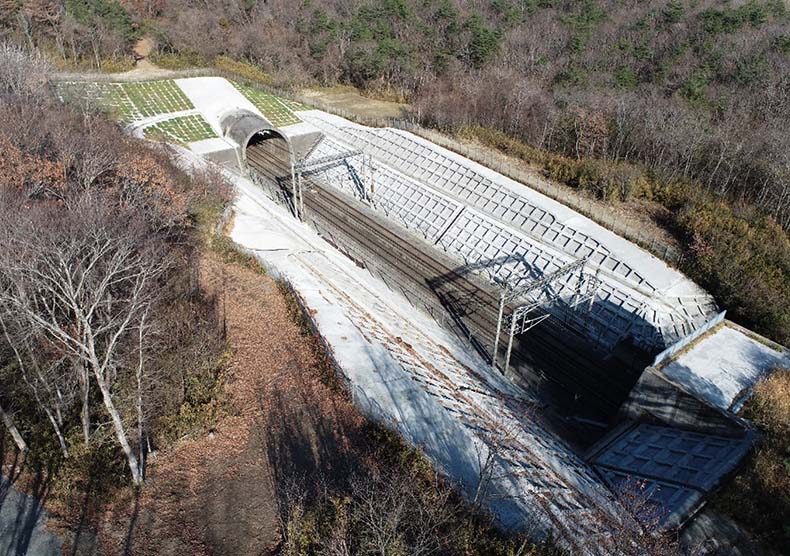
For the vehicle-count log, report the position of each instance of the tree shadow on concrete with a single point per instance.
(14, 462)
(129, 541)
(24, 518)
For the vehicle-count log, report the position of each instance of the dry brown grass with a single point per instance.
(770, 406)
(759, 496)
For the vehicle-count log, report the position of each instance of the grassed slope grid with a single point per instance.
(294, 105)
(183, 129)
(279, 112)
(128, 102)
(157, 97)
(109, 97)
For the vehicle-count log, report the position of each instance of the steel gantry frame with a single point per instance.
(324, 163)
(532, 294)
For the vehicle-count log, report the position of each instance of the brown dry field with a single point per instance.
(349, 99)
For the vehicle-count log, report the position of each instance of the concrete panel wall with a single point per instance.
(683, 342)
(654, 398)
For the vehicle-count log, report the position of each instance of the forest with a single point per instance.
(679, 104)
(98, 297)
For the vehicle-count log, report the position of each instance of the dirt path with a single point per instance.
(143, 67)
(216, 494)
(142, 49)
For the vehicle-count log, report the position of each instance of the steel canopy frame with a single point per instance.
(535, 295)
(319, 164)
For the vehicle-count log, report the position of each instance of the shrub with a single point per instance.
(502, 142)
(610, 181)
(177, 60)
(744, 262)
(674, 12)
(759, 497)
(769, 408)
(562, 169)
(782, 44)
(625, 77)
(243, 69)
(118, 64)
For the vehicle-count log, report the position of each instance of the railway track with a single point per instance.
(564, 368)
(548, 349)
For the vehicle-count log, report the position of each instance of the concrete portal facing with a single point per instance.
(243, 125)
(240, 125)
(236, 113)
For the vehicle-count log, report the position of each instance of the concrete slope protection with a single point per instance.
(489, 217)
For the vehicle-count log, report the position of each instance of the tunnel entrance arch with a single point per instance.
(265, 153)
(246, 128)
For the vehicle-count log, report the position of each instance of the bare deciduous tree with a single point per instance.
(48, 380)
(84, 281)
(12, 430)
(24, 73)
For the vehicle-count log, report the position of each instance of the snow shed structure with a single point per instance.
(510, 232)
(703, 384)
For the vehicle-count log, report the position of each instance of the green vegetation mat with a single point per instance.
(280, 112)
(131, 102)
(128, 102)
(183, 129)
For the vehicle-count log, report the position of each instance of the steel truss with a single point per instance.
(365, 184)
(531, 295)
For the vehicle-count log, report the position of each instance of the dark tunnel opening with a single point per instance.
(268, 154)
